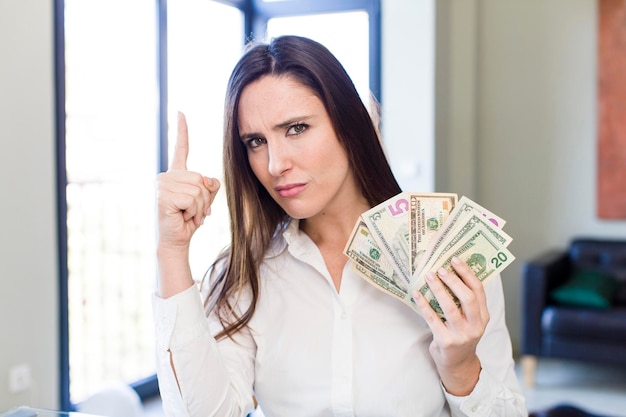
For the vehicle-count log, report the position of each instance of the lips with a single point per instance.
(289, 190)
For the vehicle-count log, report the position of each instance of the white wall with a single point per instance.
(28, 248)
(529, 145)
(515, 130)
(408, 74)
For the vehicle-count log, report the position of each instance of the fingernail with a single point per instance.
(456, 260)
(442, 271)
(430, 276)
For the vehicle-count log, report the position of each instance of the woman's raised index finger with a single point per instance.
(181, 150)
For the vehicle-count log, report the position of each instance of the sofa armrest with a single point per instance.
(539, 276)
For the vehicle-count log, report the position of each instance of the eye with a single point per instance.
(254, 143)
(297, 129)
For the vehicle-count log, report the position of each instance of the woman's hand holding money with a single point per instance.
(454, 340)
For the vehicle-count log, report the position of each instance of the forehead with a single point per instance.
(276, 98)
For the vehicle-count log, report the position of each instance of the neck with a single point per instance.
(334, 228)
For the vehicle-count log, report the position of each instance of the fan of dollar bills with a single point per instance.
(395, 244)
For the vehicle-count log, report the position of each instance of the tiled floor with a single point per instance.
(598, 389)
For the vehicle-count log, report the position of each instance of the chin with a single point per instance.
(298, 213)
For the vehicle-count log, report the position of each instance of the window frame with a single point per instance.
(256, 15)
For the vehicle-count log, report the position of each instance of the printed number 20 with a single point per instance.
(499, 259)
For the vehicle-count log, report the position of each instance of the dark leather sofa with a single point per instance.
(563, 410)
(554, 330)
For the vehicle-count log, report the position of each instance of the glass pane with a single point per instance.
(205, 39)
(345, 34)
(111, 150)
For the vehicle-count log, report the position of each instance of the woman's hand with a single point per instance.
(454, 340)
(184, 199)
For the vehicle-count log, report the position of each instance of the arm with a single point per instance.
(497, 392)
(472, 348)
(194, 377)
(212, 378)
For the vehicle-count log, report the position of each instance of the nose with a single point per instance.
(280, 158)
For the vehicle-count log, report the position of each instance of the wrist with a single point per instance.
(170, 250)
(174, 271)
(461, 380)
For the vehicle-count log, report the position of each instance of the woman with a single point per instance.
(287, 322)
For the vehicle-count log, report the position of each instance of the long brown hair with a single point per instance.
(255, 218)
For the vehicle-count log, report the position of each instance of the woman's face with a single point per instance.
(293, 149)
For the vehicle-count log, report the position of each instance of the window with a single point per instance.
(122, 78)
(349, 28)
(112, 150)
(329, 29)
(111, 103)
(205, 40)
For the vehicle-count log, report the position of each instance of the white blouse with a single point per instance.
(312, 351)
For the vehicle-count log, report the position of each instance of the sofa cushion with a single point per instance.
(574, 323)
(620, 294)
(587, 288)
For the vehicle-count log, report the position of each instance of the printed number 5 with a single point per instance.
(400, 207)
